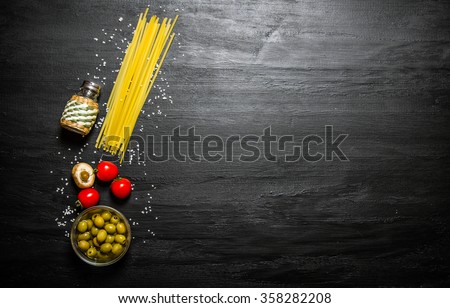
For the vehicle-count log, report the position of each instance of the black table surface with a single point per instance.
(378, 71)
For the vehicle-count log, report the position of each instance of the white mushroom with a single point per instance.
(83, 175)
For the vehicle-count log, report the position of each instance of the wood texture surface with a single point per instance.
(376, 70)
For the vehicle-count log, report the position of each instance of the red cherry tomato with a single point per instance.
(121, 188)
(88, 197)
(107, 171)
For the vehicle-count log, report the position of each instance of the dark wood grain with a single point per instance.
(376, 70)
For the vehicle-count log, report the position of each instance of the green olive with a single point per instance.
(96, 244)
(114, 219)
(99, 221)
(106, 247)
(121, 239)
(101, 236)
(95, 216)
(101, 255)
(106, 215)
(121, 229)
(116, 249)
(109, 238)
(82, 226)
(90, 223)
(94, 231)
(91, 253)
(110, 228)
(84, 236)
(83, 245)
(91, 243)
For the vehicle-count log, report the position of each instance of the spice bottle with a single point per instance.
(81, 110)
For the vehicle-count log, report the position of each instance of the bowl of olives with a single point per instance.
(100, 235)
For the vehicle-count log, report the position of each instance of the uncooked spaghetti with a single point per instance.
(138, 72)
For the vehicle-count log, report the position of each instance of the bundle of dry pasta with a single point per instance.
(139, 70)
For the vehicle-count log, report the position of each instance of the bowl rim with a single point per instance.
(73, 232)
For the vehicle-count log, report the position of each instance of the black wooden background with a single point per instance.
(376, 70)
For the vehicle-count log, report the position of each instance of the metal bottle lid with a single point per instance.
(87, 84)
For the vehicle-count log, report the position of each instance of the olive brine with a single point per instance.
(102, 236)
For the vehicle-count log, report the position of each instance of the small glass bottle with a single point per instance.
(81, 110)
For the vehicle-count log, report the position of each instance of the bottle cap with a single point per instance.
(91, 86)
